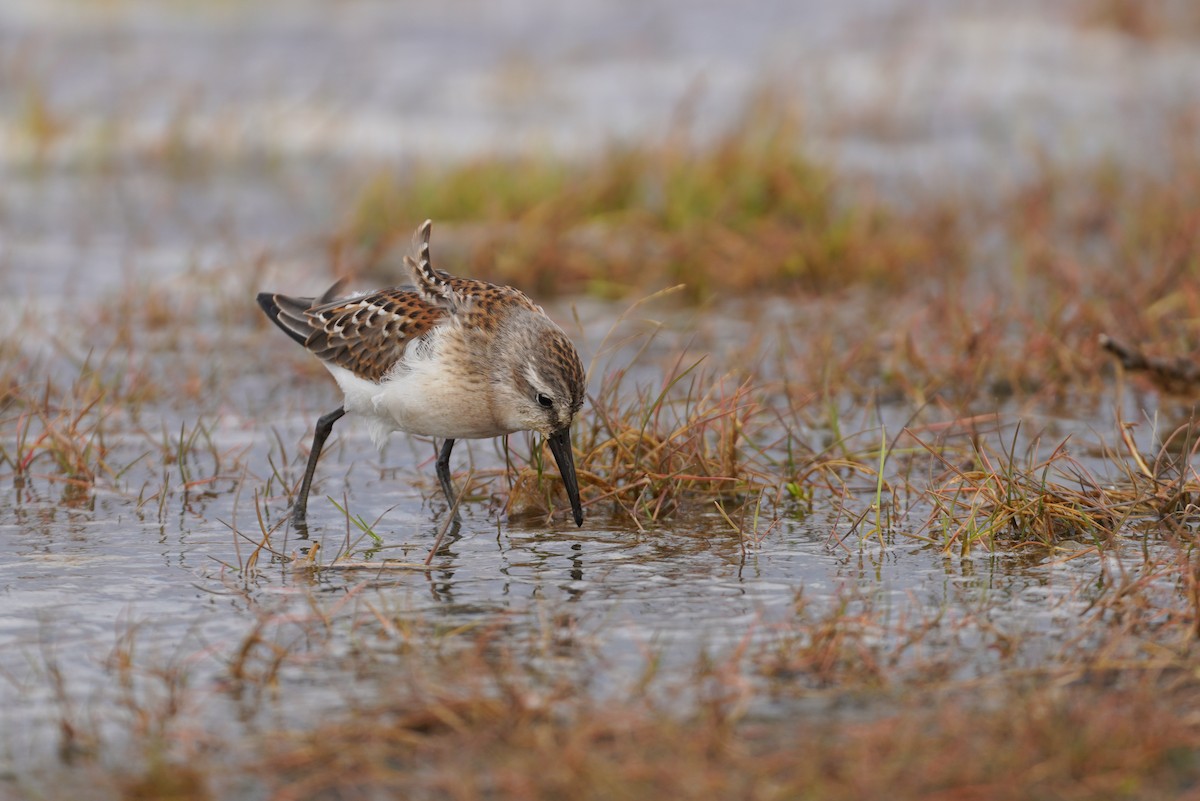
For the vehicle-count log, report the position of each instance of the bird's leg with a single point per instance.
(324, 426)
(443, 474)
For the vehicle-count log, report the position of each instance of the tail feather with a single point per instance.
(291, 313)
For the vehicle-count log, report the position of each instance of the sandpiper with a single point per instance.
(450, 358)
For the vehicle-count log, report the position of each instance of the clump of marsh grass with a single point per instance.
(651, 449)
(645, 451)
(58, 438)
(996, 497)
(1002, 499)
(748, 211)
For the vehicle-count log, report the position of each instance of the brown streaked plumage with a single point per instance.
(446, 357)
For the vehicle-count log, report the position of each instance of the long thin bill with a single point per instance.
(560, 446)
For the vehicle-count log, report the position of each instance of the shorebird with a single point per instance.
(450, 358)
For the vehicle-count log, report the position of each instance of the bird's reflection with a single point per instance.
(441, 581)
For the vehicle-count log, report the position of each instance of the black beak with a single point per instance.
(560, 446)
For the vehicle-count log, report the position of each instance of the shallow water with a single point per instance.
(83, 583)
(278, 115)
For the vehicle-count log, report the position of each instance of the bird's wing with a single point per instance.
(366, 334)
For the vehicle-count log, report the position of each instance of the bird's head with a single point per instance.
(539, 385)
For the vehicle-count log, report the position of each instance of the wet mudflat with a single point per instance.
(869, 509)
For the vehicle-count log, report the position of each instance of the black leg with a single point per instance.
(324, 426)
(443, 473)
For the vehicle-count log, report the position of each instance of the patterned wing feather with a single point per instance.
(368, 334)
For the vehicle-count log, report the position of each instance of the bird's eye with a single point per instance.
(544, 401)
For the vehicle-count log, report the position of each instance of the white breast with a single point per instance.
(422, 395)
